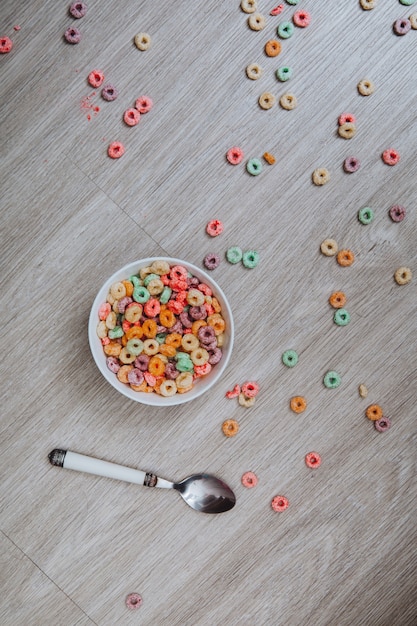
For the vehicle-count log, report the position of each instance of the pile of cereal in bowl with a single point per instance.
(162, 329)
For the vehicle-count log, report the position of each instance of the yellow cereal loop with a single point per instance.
(347, 130)
(403, 276)
(199, 356)
(118, 290)
(245, 401)
(142, 41)
(266, 100)
(256, 21)
(184, 380)
(190, 342)
(321, 176)
(168, 388)
(288, 101)
(160, 268)
(126, 357)
(195, 297)
(150, 347)
(254, 71)
(102, 329)
(248, 6)
(329, 247)
(366, 87)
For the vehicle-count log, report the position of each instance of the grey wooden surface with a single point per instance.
(73, 546)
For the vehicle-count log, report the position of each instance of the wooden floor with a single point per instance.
(74, 545)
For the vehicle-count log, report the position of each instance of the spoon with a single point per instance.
(202, 492)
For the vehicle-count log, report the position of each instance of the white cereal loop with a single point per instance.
(347, 130)
(367, 5)
(288, 101)
(118, 290)
(145, 271)
(329, 247)
(403, 276)
(321, 176)
(248, 6)
(266, 100)
(168, 388)
(199, 356)
(184, 380)
(254, 71)
(160, 268)
(256, 21)
(245, 401)
(366, 87)
(155, 286)
(102, 329)
(413, 21)
(142, 41)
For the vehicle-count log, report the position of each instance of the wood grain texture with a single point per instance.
(73, 546)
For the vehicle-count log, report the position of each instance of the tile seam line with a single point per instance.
(115, 203)
(48, 577)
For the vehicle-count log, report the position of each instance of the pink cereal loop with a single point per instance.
(133, 601)
(249, 480)
(277, 10)
(301, 18)
(234, 393)
(205, 289)
(214, 228)
(116, 150)
(234, 155)
(105, 341)
(143, 104)
(313, 460)
(390, 156)
(279, 503)
(104, 310)
(150, 379)
(178, 272)
(6, 44)
(202, 370)
(250, 389)
(96, 78)
(346, 118)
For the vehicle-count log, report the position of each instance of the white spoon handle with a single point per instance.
(90, 465)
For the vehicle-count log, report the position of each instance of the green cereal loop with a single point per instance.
(285, 30)
(150, 277)
(160, 337)
(184, 363)
(165, 295)
(250, 259)
(407, 3)
(284, 73)
(293, 2)
(341, 317)
(290, 358)
(134, 346)
(135, 281)
(366, 215)
(234, 254)
(115, 332)
(141, 294)
(254, 167)
(332, 380)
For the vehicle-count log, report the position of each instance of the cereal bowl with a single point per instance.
(98, 344)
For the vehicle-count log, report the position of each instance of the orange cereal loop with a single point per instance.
(345, 257)
(128, 286)
(123, 372)
(269, 158)
(174, 340)
(216, 305)
(374, 412)
(141, 387)
(134, 332)
(230, 428)
(167, 350)
(197, 325)
(298, 404)
(272, 48)
(149, 328)
(156, 367)
(112, 349)
(167, 318)
(337, 300)
(217, 322)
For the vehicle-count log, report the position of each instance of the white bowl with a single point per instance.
(202, 384)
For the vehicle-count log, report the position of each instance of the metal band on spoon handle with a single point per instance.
(90, 465)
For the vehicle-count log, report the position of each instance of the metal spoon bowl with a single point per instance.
(201, 492)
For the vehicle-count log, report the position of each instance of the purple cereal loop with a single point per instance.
(197, 312)
(177, 328)
(78, 9)
(109, 93)
(135, 376)
(211, 261)
(193, 281)
(210, 346)
(72, 35)
(215, 356)
(397, 213)
(206, 334)
(185, 320)
(171, 371)
(351, 164)
(141, 362)
(123, 303)
(401, 26)
(113, 364)
(383, 424)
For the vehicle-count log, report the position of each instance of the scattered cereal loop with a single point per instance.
(72, 35)
(397, 213)
(131, 117)
(230, 428)
(366, 87)
(301, 19)
(142, 41)
(234, 255)
(285, 30)
(116, 150)
(284, 73)
(249, 480)
(390, 156)
(341, 317)
(413, 21)
(321, 176)
(288, 101)
(250, 259)
(345, 258)
(269, 158)
(313, 460)
(346, 118)
(367, 5)
(78, 10)
(272, 48)
(254, 71)
(254, 167)
(329, 247)
(248, 6)
(293, 2)
(250, 389)
(279, 503)
(96, 78)
(366, 215)
(109, 93)
(374, 412)
(347, 130)
(211, 261)
(382, 424)
(234, 155)
(6, 45)
(337, 300)
(401, 26)
(290, 358)
(234, 393)
(407, 3)
(246, 401)
(266, 100)
(403, 276)
(332, 380)
(214, 228)
(277, 10)
(298, 404)
(256, 21)
(363, 390)
(351, 164)
(133, 601)
(144, 104)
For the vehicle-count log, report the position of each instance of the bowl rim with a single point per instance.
(154, 399)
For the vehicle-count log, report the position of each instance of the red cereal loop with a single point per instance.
(202, 370)
(6, 44)
(234, 393)
(178, 272)
(143, 104)
(205, 289)
(133, 601)
(346, 118)
(279, 503)
(301, 18)
(214, 228)
(131, 117)
(390, 156)
(313, 460)
(104, 310)
(249, 480)
(250, 389)
(96, 78)
(234, 155)
(152, 307)
(116, 150)
(277, 10)
(175, 306)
